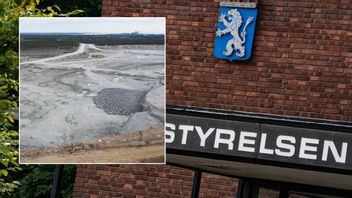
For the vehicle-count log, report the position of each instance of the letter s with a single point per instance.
(169, 135)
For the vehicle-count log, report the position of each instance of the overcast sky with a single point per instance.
(144, 25)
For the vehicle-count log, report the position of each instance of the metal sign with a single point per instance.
(292, 145)
(235, 32)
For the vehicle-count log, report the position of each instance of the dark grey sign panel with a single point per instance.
(260, 141)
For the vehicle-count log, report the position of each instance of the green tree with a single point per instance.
(8, 134)
(10, 11)
(92, 8)
(36, 181)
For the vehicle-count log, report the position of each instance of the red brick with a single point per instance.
(301, 66)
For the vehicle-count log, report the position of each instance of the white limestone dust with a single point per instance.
(91, 92)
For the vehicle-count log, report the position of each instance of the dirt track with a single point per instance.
(138, 147)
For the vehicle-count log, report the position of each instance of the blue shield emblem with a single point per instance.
(235, 33)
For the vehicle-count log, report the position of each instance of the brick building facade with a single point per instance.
(301, 66)
(95, 181)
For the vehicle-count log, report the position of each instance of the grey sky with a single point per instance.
(145, 25)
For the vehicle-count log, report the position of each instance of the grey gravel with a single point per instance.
(120, 101)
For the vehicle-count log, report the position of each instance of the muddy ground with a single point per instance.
(89, 92)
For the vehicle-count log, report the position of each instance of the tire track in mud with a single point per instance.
(40, 114)
(128, 66)
(74, 87)
(117, 73)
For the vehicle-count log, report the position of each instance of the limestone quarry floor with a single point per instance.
(90, 92)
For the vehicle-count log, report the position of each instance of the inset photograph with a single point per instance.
(92, 90)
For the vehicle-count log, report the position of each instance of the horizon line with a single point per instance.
(136, 32)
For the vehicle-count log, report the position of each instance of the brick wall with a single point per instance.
(301, 66)
(301, 62)
(97, 181)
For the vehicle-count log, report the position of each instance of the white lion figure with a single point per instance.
(233, 25)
